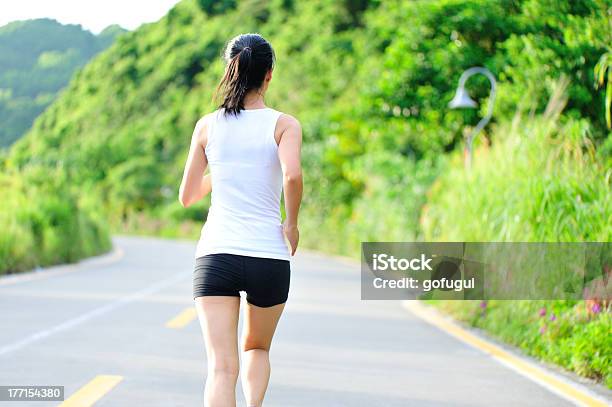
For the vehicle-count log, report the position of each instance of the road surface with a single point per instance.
(122, 332)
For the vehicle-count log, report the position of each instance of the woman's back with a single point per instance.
(244, 217)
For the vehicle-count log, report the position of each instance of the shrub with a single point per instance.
(44, 223)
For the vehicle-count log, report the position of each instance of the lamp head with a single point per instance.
(462, 100)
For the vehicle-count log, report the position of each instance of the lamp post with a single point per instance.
(462, 100)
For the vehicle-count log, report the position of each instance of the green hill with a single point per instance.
(369, 80)
(37, 59)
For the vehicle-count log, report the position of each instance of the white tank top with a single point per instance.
(247, 181)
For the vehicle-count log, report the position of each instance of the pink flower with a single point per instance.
(553, 317)
(483, 304)
(542, 312)
(596, 308)
(542, 329)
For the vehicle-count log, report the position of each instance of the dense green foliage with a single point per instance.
(37, 59)
(370, 82)
(45, 222)
(386, 138)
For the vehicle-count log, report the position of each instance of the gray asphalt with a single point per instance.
(331, 349)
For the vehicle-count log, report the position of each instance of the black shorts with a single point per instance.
(265, 281)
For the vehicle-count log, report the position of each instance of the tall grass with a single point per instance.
(539, 181)
(43, 222)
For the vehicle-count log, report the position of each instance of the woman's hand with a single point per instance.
(293, 236)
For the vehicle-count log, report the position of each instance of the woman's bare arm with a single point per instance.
(195, 185)
(289, 148)
(206, 185)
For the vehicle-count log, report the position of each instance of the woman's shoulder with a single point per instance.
(211, 115)
(287, 124)
(203, 125)
(287, 120)
(204, 121)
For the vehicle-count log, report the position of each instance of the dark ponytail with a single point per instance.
(249, 57)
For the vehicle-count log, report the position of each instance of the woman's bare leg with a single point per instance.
(219, 320)
(259, 326)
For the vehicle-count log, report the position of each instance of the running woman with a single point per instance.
(253, 152)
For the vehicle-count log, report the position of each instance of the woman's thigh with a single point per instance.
(218, 317)
(259, 326)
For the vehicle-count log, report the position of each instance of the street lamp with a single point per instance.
(462, 100)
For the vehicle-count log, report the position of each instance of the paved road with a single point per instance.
(331, 348)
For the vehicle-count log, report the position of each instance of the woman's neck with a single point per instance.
(254, 100)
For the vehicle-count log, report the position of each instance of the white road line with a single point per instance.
(92, 314)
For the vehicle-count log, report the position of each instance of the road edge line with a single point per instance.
(557, 384)
(95, 261)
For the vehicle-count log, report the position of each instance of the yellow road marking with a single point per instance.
(93, 391)
(559, 386)
(182, 319)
